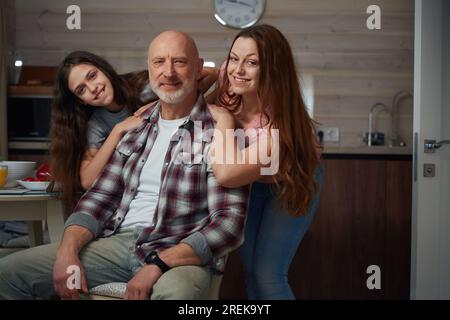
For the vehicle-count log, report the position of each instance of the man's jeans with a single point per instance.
(28, 274)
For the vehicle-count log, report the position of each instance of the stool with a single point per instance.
(116, 290)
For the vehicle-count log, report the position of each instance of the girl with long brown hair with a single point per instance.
(92, 110)
(260, 93)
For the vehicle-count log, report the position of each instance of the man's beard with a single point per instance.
(175, 97)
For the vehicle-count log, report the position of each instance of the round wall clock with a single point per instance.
(238, 14)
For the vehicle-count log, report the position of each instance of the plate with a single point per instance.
(34, 185)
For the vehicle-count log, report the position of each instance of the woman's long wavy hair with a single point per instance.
(70, 117)
(279, 88)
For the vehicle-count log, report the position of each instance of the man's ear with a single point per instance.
(200, 68)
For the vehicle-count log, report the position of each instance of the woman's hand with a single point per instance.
(207, 78)
(221, 116)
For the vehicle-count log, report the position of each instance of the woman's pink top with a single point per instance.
(258, 127)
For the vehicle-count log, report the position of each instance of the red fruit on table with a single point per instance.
(43, 172)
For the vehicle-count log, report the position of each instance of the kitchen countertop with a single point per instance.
(374, 150)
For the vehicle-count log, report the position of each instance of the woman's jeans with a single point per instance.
(272, 237)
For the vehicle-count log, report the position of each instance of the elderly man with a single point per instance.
(153, 218)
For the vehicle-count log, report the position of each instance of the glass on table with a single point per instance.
(3, 175)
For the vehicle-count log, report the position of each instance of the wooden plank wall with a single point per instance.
(10, 22)
(352, 67)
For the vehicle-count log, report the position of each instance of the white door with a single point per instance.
(430, 256)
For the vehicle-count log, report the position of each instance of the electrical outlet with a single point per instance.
(330, 134)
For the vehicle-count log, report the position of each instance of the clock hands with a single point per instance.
(241, 3)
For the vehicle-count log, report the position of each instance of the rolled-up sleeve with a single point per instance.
(98, 204)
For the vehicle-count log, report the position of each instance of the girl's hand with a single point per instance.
(128, 124)
(221, 115)
(142, 109)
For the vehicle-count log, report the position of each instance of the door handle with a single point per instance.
(430, 146)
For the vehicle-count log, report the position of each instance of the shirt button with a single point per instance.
(166, 163)
(143, 160)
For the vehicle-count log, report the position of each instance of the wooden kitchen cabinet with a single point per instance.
(28, 109)
(364, 219)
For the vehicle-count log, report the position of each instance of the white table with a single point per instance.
(34, 208)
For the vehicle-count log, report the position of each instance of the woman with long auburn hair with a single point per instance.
(93, 108)
(260, 92)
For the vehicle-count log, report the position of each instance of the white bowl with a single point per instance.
(34, 185)
(18, 170)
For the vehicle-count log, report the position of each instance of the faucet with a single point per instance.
(398, 97)
(372, 109)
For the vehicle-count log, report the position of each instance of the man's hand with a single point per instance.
(64, 260)
(74, 239)
(139, 287)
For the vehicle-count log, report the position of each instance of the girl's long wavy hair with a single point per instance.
(279, 88)
(69, 119)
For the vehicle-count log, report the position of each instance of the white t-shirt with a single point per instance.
(142, 207)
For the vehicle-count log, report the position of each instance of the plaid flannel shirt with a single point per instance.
(192, 208)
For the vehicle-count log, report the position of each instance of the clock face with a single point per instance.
(238, 13)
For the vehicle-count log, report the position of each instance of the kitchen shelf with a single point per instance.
(30, 91)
